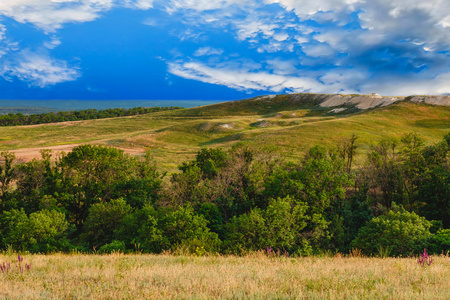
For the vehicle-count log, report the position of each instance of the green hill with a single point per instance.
(291, 122)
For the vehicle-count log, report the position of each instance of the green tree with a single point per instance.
(90, 175)
(384, 172)
(182, 227)
(103, 221)
(43, 231)
(400, 232)
(7, 175)
(284, 225)
(319, 180)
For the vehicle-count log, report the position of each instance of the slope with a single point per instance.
(291, 122)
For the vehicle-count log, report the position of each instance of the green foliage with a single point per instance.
(399, 231)
(319, 180)
(7, 175)
(347, 218)
(438, 243)
(168, 229)
(247, 232)
(114, 246)
(103, 220)
(183, 227)
(209, 161)
(433, 194)
(237, 186)
(246, 197)
(284, 225)
(145, 223)
(42, 231)
(384, 172)
(88, 114)
(212, 214)
(94, 174)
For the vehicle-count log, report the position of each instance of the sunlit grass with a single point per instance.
(256, 276)
(174, 136)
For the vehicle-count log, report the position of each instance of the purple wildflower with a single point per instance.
(425, 259)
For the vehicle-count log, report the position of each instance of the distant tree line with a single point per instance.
(17, 119)
(95, 198)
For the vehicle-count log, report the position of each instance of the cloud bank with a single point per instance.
(395, 47)
(38, 70)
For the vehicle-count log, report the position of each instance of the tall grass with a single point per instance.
(255, 276)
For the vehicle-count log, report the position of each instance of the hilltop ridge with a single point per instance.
(367, 101)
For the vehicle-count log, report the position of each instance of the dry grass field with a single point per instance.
(119, 276)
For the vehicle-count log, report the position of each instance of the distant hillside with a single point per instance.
(293, 123)
(342, 104)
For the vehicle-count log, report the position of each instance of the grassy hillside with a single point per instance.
(293, 123)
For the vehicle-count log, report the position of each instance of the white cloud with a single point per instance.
(199, 5)
(283, 67)
(52, 44)
(409, 34)
(207, 51)
(141, 4)
(50, 15)
(38, 69)
(2, 32)
(244, 79)
(306, 9)
(402, 86)
(281, 36)
(249, 28)
(318, 50)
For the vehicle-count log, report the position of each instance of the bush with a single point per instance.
(437, 243)
(181, 226)
(114, 246)
(281, 226)
(212, 214)
(43, 231)
(248, 231)
(399, 233)
(172, 229)
(103, 220)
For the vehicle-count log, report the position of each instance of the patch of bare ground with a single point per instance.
(28, 154)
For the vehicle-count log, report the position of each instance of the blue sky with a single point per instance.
(221, 49)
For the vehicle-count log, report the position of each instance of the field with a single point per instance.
(254, 276)
(175, 136)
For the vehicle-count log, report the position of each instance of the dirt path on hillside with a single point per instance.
(28, 154)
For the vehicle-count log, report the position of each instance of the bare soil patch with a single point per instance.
(28, 154)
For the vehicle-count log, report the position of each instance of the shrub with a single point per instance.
(212, 214)
(248, 231)
(284, 225)
(42, 231)
(103, 220)
(437, 243)
(182, 226)
(171, 229)
(114, 246)
(400, 232)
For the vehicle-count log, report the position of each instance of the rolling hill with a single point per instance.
(291, 122)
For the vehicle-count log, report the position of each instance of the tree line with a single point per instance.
(99, 199)
(17, 119)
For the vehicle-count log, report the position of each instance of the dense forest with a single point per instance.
(17, 119)
(395, 201)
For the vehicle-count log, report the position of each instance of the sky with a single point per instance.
(222, 49)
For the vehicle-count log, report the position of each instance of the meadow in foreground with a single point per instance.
(256, 276)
